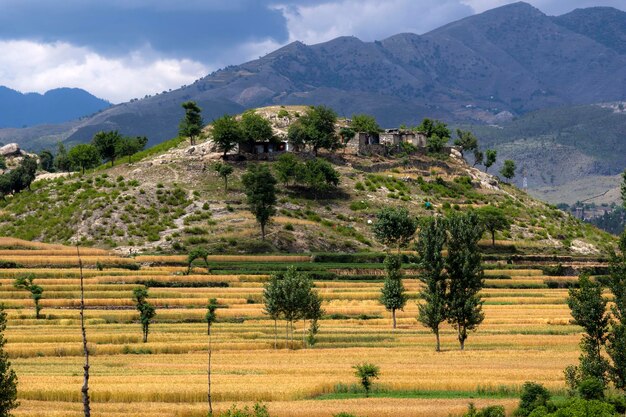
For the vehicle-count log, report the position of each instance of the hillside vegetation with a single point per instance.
(171, 200)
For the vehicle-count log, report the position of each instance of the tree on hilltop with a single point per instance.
(107, 144)
(364, 123)
(226, 133)
(191, 124)
(128, 146)
(490, 155)
(84, 156)
(508, 169)
(466, 140)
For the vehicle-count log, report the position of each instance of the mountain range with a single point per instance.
(490, 68)
(55, 106)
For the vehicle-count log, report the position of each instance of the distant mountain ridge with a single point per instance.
(486, 68)
(55, 106)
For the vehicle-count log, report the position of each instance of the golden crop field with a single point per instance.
(527, 335)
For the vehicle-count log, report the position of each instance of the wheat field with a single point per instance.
(527, 335)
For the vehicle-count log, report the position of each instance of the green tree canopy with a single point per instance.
(107, 144)
(61, 160)
(256, 128)
(430, 243)
(364, 123)
(226, 133)
(466, 140)
(8, 378)
(191, 124)
(319, 128)
(84, 156)
(464, 268)
(394, 227)
(287, 167)
(260, 189)
(223, 170)
(128, 146)
(46, 160)
(508, 169)
(493, 219)
(146, 310)
(393, 295)
(366, 372)
(431, 128)
(320, 176)
(490, 155)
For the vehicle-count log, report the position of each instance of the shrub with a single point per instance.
(533, 396)
(591, 389)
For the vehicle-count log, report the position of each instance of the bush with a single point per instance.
(533, 396)
(591, 389)
(259, 410)
(490, 411)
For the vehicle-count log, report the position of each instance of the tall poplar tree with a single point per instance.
(463, 264)
(432, 310)
(393, 295)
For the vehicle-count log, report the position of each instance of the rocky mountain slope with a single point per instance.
(18, 110)
(485, 68)
(173, 200)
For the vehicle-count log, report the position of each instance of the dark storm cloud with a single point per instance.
(191, 29)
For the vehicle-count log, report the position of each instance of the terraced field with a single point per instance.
(526, 335)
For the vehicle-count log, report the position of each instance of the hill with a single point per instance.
(60, 105)
(171, 200)
(485, 68)
(568, 154)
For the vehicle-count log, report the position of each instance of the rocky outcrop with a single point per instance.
(12, 149)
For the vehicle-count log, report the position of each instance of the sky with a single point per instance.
(124, 49)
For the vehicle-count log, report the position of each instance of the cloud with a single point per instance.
(36, 67)
(368, 19)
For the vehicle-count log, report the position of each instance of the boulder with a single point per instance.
(12, 149)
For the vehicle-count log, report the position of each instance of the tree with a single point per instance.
(197, 253)
(288, 167)
(464, 268)
(435, 143)
(508, 169)
(394, 227)
(22, 176)
(297, 135)
(319, 176)
(366, 372)
(256, 128)
(289, 295)
(107, 144)
(432, 311)
(272, 293)
(314, 313)
(226, 133)
(260, 189)
(319, 128)
(466, 140)
(84, 156)
(8, 378)
(128, 146)
(364, 123)
(616, 339)
(85, 388)
(61, 161)
(224, 171)
(393, 295)
(588, 308)
(191, 124)
(431, 128)
(210, 319)
(6, 186)
(493, 219)
(3, 162)
(478, 157)
(346, 134)
(491, 155)
(25, 282)
(46, 160)
(146, 310)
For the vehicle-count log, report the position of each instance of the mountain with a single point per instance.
(481, 69)
(605, 25)
(55, 106)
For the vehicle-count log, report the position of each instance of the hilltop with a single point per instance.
(169, 199)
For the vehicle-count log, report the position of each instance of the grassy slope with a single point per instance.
(172, 200)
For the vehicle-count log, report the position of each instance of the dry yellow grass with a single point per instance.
(527, 334)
